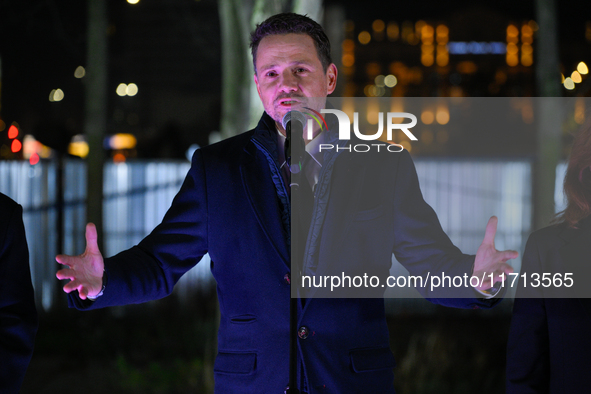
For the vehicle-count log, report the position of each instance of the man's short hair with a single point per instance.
(292, 23)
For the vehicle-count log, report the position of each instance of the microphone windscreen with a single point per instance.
(295, 116)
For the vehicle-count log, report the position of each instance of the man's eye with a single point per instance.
(271, 74)
(301, 70)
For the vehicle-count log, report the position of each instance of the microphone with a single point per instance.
(293, 122)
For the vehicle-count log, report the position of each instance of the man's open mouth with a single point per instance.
(288, 102)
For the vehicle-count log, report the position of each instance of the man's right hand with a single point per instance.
(84, 271)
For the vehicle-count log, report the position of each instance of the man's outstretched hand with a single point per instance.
(84, 271)
(491, 261)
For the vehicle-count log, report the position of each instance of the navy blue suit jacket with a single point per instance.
(18, 316)
(549, 348)
(233, 206)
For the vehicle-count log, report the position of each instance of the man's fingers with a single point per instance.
(91, 238)
(509, 255)
(66, 273)
(491, 230)
(66, 260)
(71, 286)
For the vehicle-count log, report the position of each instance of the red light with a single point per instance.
(12, 132)
(34, 159)
(16, 146)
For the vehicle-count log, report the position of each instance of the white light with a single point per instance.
(80, 72)
(379, 80)
(56, 95)
(132, 89)
(122, 89)
(390, 81)
(569, 84)
(133, 1)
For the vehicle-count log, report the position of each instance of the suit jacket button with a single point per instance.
(303, 332)
(287, 278)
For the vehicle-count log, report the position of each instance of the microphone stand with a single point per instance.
(293, 304)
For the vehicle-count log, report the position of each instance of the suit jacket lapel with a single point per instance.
(261, 191)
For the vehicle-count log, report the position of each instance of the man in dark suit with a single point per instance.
(235, 205)
(18, 316)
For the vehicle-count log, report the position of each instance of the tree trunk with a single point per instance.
(549, 127)
(96, 110)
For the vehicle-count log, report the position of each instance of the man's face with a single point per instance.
(288, 72)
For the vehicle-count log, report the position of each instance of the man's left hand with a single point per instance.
(491, 261)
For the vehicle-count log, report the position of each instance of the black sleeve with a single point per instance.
(18, 316)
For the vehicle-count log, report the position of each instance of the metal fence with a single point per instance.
(464, 193)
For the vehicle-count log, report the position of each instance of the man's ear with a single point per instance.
(331, 78)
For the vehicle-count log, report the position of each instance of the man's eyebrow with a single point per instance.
(294, 63)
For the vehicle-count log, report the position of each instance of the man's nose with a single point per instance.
(289, 82)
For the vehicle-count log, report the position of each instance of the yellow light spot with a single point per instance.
(442, 59)
(393, 31)
(527, 60)
(131, 89)
(526, 30)
(512, 31)
(576, 77)
(442, 116)
(364, 37)
(512, 60)
(427, 60)
(527, 114)
(121, 89)
(390, 81)
(133, 1)
(562, 76)
(348, 60)
(427, 49)
(380, 81)
(442, 32)
(527, 49)
(467, 67)
(80, 72)
(348, 45)
(122, 141)
(427, 31)
(427, 117)
(78, 148)
(512, 49)
(569, 84)
(582, 68)
(373, 112)
(378, 25)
